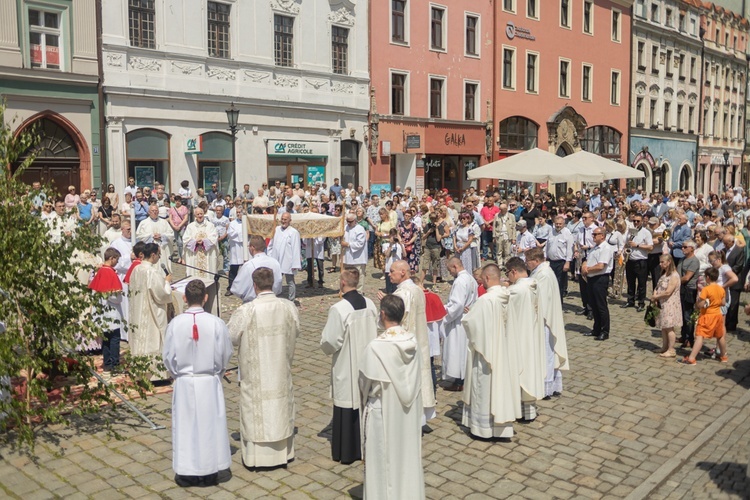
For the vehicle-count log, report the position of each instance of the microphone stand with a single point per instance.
(216, 276)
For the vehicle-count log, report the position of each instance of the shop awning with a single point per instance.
(609, 169)
(309, 225)
(534, 165)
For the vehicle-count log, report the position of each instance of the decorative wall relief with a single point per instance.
(186, 68)
(342, 16)
(145, 64)
(288, 6)
(114, 59)
(316, 84)
(221, 74)
(286, 81)
(342, 88)
(256, 76)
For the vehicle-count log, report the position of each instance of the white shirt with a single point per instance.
(598, 254)
(643, 237)
(356, 253)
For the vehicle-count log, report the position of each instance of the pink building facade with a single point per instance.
(431, 69)
(562, 78)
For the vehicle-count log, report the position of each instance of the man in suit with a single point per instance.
(680, 234)
(736, 260)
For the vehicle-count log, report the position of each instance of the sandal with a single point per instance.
(688, 361)
(724, 359)
(668, 354)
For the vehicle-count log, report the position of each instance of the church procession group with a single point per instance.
(500, 334)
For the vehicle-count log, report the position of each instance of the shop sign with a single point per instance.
(297, 148)
(455, 139)
(432, 163)
(194, 145)
(413, 142)
(419, 185)
(719, 160)
(512, 31)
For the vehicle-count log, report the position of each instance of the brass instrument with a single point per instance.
(666, 234)
(620, 262)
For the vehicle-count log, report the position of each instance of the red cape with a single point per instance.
(105, 281)
(481, 291)
(133, 265)
(434, 308)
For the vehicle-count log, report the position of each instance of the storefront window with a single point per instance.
(350, 163)
(148, 157)
(215, 162)
(602, 140)
(311, 171)
(518, 133)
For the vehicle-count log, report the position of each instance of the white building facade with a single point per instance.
(296, 69)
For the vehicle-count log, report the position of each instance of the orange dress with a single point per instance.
(711, 321)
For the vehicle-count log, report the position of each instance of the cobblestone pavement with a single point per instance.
(629, 424)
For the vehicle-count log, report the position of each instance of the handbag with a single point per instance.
(652, 311)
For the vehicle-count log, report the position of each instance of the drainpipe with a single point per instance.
(630, 93)
(100, 92)
(701, 32)
(494, 77)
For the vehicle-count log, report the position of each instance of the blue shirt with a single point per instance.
(595, 202)
(680, 234)
(84, 211)
(141, 211)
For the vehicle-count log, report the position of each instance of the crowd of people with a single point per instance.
(500, 334)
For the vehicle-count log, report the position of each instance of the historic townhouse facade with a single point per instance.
(431, 70)
(562, 73)
(665, 102)
(296, 70)
(722, 131)
(49, 79)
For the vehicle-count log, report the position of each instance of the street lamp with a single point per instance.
(726, 167)
(233, 115)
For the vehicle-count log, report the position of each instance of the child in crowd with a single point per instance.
(711, 321)
(393, 251)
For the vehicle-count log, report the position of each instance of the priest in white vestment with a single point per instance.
(59, 224)
(525, 329)
(265, 330)
(150, 294)
(125, 246)
(286, 249)
(156, 230)
(352, 324)
(201, 248)
(492, 401)
(390, 386)
(354, 246)
(112, 233)
(243, 286)
(415, 320)
(463, 294)
(550, 306)
(197, 349)
(236, 248)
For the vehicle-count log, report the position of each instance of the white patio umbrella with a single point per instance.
(534, 165)
(590, 162)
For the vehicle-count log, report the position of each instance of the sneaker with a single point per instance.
(723, 359)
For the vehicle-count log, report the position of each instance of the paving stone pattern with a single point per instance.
(623, 421)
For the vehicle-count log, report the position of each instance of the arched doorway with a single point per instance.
(643, 183)
(564, 150)
(684, 181)
(59, 156)
(215, 162)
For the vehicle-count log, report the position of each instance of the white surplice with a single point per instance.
(125, 247)
(286, 248)
(415, 320)
(492, 401)
(525, 329)
(205, 255)
(265, 330)
(345, 336)
(391, 416)
(356, 253)
(243, 283)
(556, 347)
(200, 439)
(149, 296)
(463, 294)
(236, 243)
(146, 231)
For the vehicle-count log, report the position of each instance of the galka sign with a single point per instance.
(297, 148)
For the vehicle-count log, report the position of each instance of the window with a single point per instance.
(615, 25)
(218, 30)
(509, 5)
(718, 35)
(283, 38)
(586, 83)
(588, 19)
(707, 72)
(641, 57)
(565, 13)
(640, 8)
(669, 63)
(692, 69)
(655, 60)
(44, 39)
(614, 94)
(678, 121)
(147, 151)
(655, 12)
(564, 89)
(517, 132)
(398, 93)
(509, 64)
(734, 42)
(691, 112)
(531, 9)
(668, 18)
(340, 50)
(667, 110)
(639, 111)
(398, 18)
(532, 75)
(726, 39)
(681, 67)
(652, 113)
(141, 23)
(470, 101)
(682, 25)
(437, 27)
(472, 23)
(436, 98)
(602, 140)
